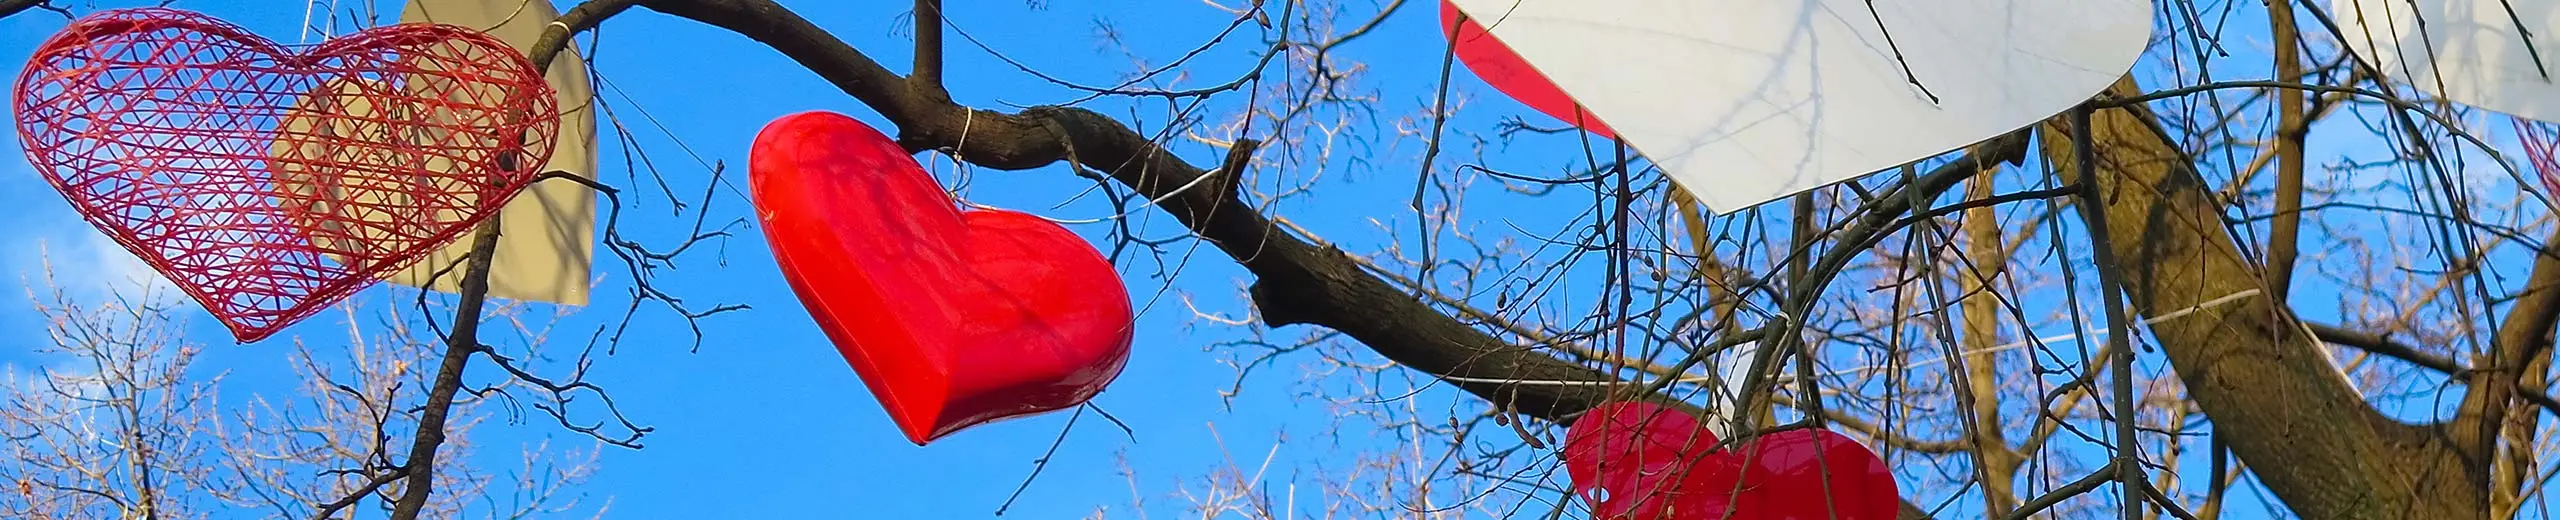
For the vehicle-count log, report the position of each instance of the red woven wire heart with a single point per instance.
(236, 167)
(2542, 149)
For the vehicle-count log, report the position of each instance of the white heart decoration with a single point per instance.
(1747, 101)
(2472, 51)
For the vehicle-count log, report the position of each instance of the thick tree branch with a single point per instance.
(10, 7)
(927, 74)
(2259, 374)
(2291, 127)
(555, 37)
(2519, 355)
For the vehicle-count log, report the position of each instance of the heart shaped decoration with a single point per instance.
(952, 318)
(1642, 461)
(1747, 101)
(163, 128)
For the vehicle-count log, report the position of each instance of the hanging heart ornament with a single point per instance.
(952, 318)
(231, 164)
(1504, 69)
(1747, 101)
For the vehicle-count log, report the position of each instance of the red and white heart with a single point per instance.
(1642, 461)
(180, 137)
(1501, 67)
(1747, 101)
(952, 318)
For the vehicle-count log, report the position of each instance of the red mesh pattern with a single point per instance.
(2540, 140)
(270, 182)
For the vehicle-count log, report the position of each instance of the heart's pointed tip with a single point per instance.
(921, 425)
(245, 335)
(915, 432)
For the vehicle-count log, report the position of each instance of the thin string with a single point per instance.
(307, 6)
(968, 120)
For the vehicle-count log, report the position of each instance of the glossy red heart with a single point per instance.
(952, 318)
(1641, 461)
(206, 150)
(1495, 63)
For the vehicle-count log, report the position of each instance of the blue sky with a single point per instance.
(765, 420)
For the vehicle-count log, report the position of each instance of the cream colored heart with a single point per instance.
(353, 202)
(1747, 101)
(2472, 52)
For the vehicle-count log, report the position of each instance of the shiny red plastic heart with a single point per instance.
(1498, 65)
(202, 148)
(1642, 461)
(952, 318)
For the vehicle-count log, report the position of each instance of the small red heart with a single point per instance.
(952, 318)
(168, 130)
(1631, 457)
(1504, 69)
(1642, 461)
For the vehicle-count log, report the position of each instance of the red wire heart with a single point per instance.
(1642, 461)
(229, 164)
(2542, 149)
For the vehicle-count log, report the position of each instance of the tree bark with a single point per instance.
(2490, 412)
(11, 7)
